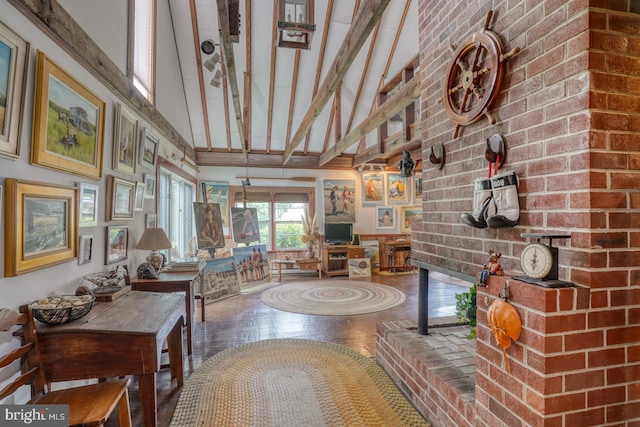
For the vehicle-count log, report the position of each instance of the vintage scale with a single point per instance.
(539, 262)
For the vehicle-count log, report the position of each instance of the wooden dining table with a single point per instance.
(119, 338)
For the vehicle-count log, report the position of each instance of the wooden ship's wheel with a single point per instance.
(474, 77)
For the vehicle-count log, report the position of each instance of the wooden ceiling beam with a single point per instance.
(392, 146)
(321, 56)
(247, 73)
(292, 94)
(272, 72)
(196, 45)
(227, 47)
(368, 14)
(405, 96)
(267, 160)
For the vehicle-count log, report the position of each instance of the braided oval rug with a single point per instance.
(292, 383)
(332, 297)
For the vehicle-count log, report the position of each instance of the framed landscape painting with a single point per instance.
(40, 225)
(407, 215)
(14, 66)
(125, 141)
(121, 196)
(68, 122)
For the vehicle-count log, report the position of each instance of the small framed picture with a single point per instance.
(139, 200)
(125, 143)
(417, 186)
(149, 186)
(117, 242)
(88, 205)
(121, 196)
(150, 221)
(149, 150)
(398, 189)
(407, 215)
(385, 217)
(85, 249)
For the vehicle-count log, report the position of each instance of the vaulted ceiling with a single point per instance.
(277, 106)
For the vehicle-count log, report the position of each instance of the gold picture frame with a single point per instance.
(121, 197)
(14, 69)
(41, 226)
(68, 122)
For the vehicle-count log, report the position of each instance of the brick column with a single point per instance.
(565, 370)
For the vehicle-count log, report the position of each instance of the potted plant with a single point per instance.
(466, 309)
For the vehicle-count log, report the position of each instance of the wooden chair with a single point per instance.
(89, 405)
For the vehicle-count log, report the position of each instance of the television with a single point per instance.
(338, 234)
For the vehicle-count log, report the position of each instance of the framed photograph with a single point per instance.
(121, 196)
(125, 141)
(68, 122)
(398, 191)
(85, 249)
(14, 66)
(88, 205)
(138, 204)
(339, 200)
(372, 188)
(407, 215)
(149, 186)
(149, 145)
(385, 217)
(217, 192)
(117, 241)
(40, 225)
(150, 221)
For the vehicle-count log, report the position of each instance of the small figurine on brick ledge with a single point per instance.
(493, 268)
(494, 265)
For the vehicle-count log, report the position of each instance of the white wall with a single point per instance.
(109, 31)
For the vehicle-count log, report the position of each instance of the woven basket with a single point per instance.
(60, 315)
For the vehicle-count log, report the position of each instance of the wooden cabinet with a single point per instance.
(334, 258)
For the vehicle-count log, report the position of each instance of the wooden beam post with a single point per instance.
(404, 97)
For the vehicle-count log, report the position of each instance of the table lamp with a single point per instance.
(154, 239)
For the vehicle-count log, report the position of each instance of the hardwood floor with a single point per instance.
(244, 319)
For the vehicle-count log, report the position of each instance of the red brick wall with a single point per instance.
(569, 112)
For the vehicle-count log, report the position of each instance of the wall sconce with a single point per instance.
(406, 164)
(295, 23)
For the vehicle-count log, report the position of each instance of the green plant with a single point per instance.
(466, 308)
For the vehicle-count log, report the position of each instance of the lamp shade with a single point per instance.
(154, 239)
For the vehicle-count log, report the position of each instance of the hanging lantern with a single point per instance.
(295, 23)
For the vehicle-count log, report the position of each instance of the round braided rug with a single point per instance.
(292, 383)
(332, 297)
